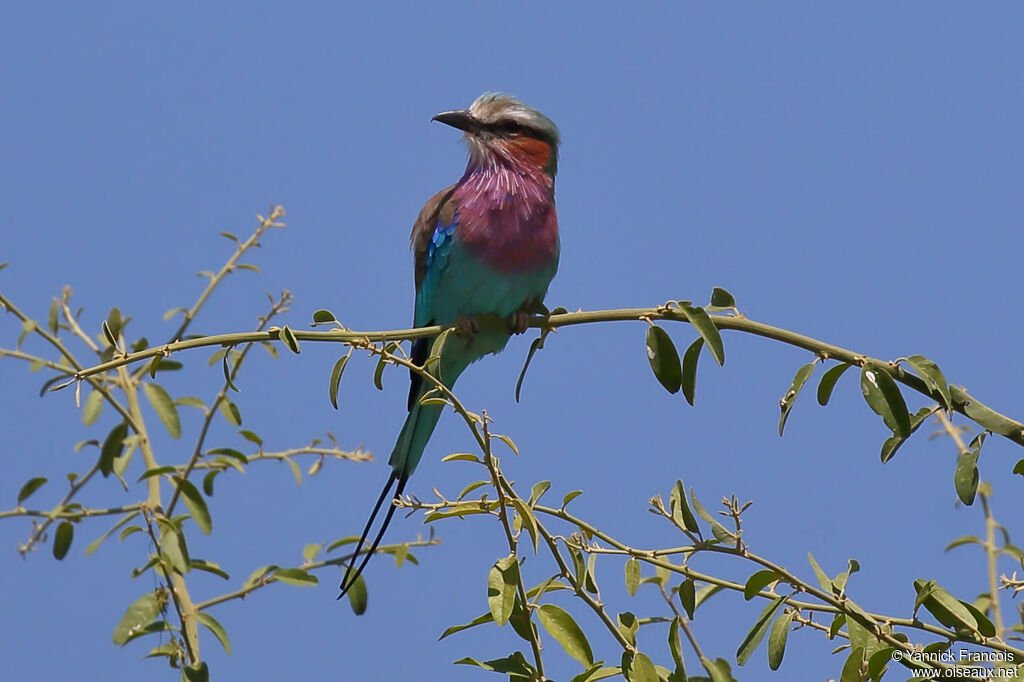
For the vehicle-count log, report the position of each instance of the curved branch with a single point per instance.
(1014, 430)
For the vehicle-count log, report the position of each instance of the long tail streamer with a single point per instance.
(351, 576)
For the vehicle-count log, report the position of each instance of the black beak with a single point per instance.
(460, 119)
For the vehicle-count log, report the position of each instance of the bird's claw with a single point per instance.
(519, 322)
(466, 327)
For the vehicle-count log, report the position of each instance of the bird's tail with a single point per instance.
(418, 427)
(352, 574)
(412, 440)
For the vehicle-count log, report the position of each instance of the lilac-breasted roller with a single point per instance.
(487, 245)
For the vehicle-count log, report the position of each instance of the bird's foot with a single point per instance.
(466, 327)
(519, 322)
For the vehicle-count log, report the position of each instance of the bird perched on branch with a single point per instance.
(487, 245)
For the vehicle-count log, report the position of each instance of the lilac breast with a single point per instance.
(507, 217)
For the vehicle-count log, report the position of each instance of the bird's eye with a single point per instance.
(510, 127)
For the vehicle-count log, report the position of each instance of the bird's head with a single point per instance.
(499, 128)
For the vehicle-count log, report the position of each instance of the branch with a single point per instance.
(1012, 429)
(336, 561)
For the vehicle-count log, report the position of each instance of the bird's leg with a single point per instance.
(519, 322)
(466, 326)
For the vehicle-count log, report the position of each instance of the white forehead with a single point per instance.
(491, 107)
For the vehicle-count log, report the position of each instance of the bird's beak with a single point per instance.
(460, 119)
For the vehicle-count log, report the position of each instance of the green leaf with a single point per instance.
(357, 595)
(209, 567)
(823, 579)
(31, 485)
(786, 403)
(688, 596)
(985, 626)
(884, 397)
(632, 575)
(758, 581)
(115, 322)
(288, 337)
(52, 321)
(964, 540)
(479, 620)
(310, 551)
(141, 613)
(569, 497)
(529, 521)
(641, 669)
(596, 672)
(628, 625)
(113, 446)
(700, 320)
(323, 316)
(777, 640)
(538, 491)
(933, 377)
(196, 672)
(516, 666)
(174, 549)
(985, 416)
(507, 441)
(93, 408)
(893, 443)
(108, 334)
(837, 622)
(168, 649)
(560, 625)
(164, 407)
(664, 359)
(216, 628)
(828, 382)
(382, 362)
(946, 608)
(851, 668)
(230, 412)
(966, 477)
(722, 299)
(296, 471)
(680, 510)
(226, 370)
(461, 457)
(218, 355)
(757, 632)
(62, 539)
(501, 588)
(689, 368)
(717, 529)
(251, 437)
(295, 576)
(229, 452)
(878, 661)
(675, 645)
(436, 348)
(537, 344)
(339, 367)
(156, 471)
(196, 505)
(190, 401)
(718, 669)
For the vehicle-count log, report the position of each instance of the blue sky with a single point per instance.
(848, 171)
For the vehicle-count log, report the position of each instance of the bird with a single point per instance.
(487, 245)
